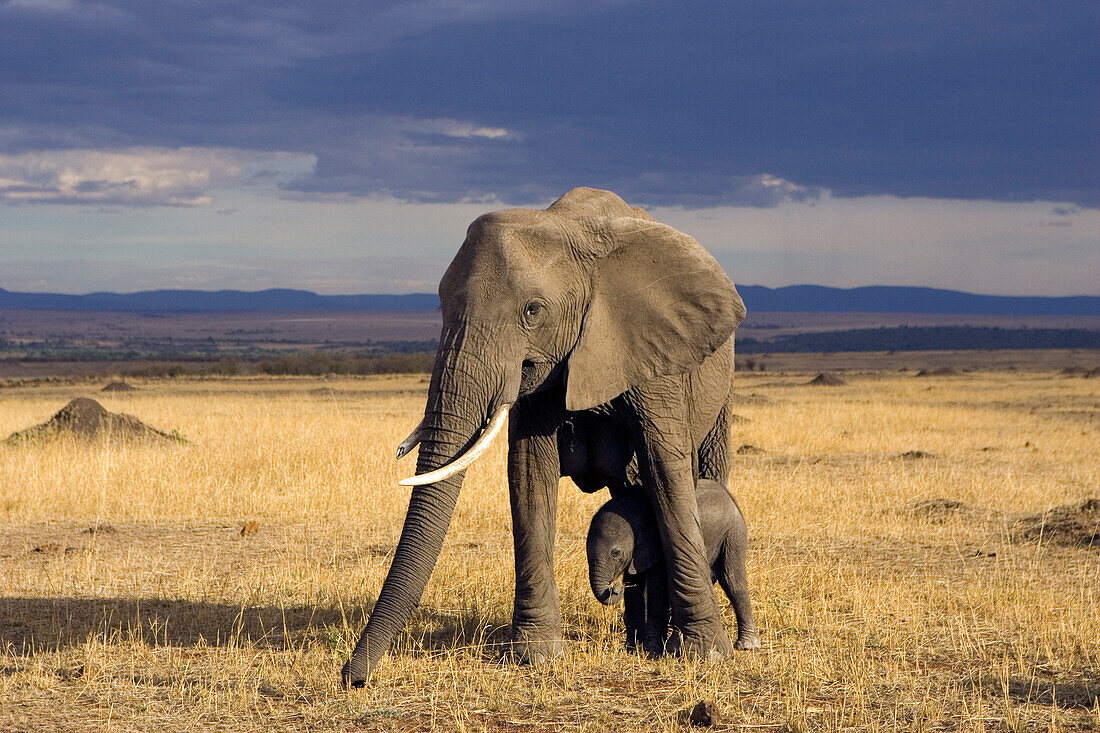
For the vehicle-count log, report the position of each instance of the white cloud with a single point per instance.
(493, 133)
(706, 191)
(978, 246)
(459, 129)
(768, 190)
(54, 6)
(138, 176)
(88, 11)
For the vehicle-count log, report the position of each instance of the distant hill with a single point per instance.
(213, 301)
(810, 298)
(888, 299)
(935, 338)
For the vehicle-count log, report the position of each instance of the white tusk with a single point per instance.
(410, 442)
(463, 462)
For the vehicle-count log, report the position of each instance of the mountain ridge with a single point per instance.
(792, 298)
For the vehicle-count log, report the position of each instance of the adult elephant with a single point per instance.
(609, 337)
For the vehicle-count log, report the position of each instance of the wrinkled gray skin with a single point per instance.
(611, 335)
(623, 541)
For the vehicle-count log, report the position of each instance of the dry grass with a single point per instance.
(131, 600)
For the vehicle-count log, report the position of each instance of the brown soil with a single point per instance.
(1075, 525)
(940, 508)
(941, 372)
(749, 399)
(118, 387)
(915, 455)
(85, 418)
(826, 379)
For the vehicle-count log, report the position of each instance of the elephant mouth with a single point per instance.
(461, 462)
(612, 594)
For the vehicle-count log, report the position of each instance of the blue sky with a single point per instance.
(344, 146)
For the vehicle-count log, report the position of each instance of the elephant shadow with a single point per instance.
(1069, 694)
(433, 631)
(30, 626)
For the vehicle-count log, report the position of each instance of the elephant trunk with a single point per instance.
(459, 399)
(606, 586)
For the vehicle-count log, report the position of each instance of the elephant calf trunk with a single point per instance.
(611, 595)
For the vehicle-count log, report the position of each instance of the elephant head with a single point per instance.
(590, 294)
(622, 538)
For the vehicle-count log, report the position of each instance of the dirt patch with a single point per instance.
(1072, 525)
(1080, 371)
(940, 508)
(749, 450)
(941, 372)
(380, 550)
(87, 419)
(55, 548)
(1068, 694)
(826, 379)
(119, 387)
(67, 674)
(915, 455)
(100, 529)
(750, 399)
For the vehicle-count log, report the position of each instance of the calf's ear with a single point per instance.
(647, 553)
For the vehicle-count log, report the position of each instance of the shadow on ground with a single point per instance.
(30, 626)
(1066, 694)
(34, 625)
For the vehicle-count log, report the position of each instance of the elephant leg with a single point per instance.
(634, 611)
(714, 452)
(730, 569)
(657, 611)
(533, 474)
(666, 462)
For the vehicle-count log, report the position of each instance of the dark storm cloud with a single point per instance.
(749, 103)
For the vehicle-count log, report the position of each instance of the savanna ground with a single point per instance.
(900, 568)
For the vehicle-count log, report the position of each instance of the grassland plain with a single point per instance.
(900, 568)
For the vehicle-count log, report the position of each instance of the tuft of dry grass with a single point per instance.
(896, 569)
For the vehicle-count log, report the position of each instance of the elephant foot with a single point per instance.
(747, 641)
(534, 650)
(652, 648)
(691, 644)
(655, 648)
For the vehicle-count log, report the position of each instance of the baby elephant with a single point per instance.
(623, 540)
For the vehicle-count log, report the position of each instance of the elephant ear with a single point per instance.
(660, 305)
(647, 552)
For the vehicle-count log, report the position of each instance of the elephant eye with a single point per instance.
(533, 309)
(616, 553)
